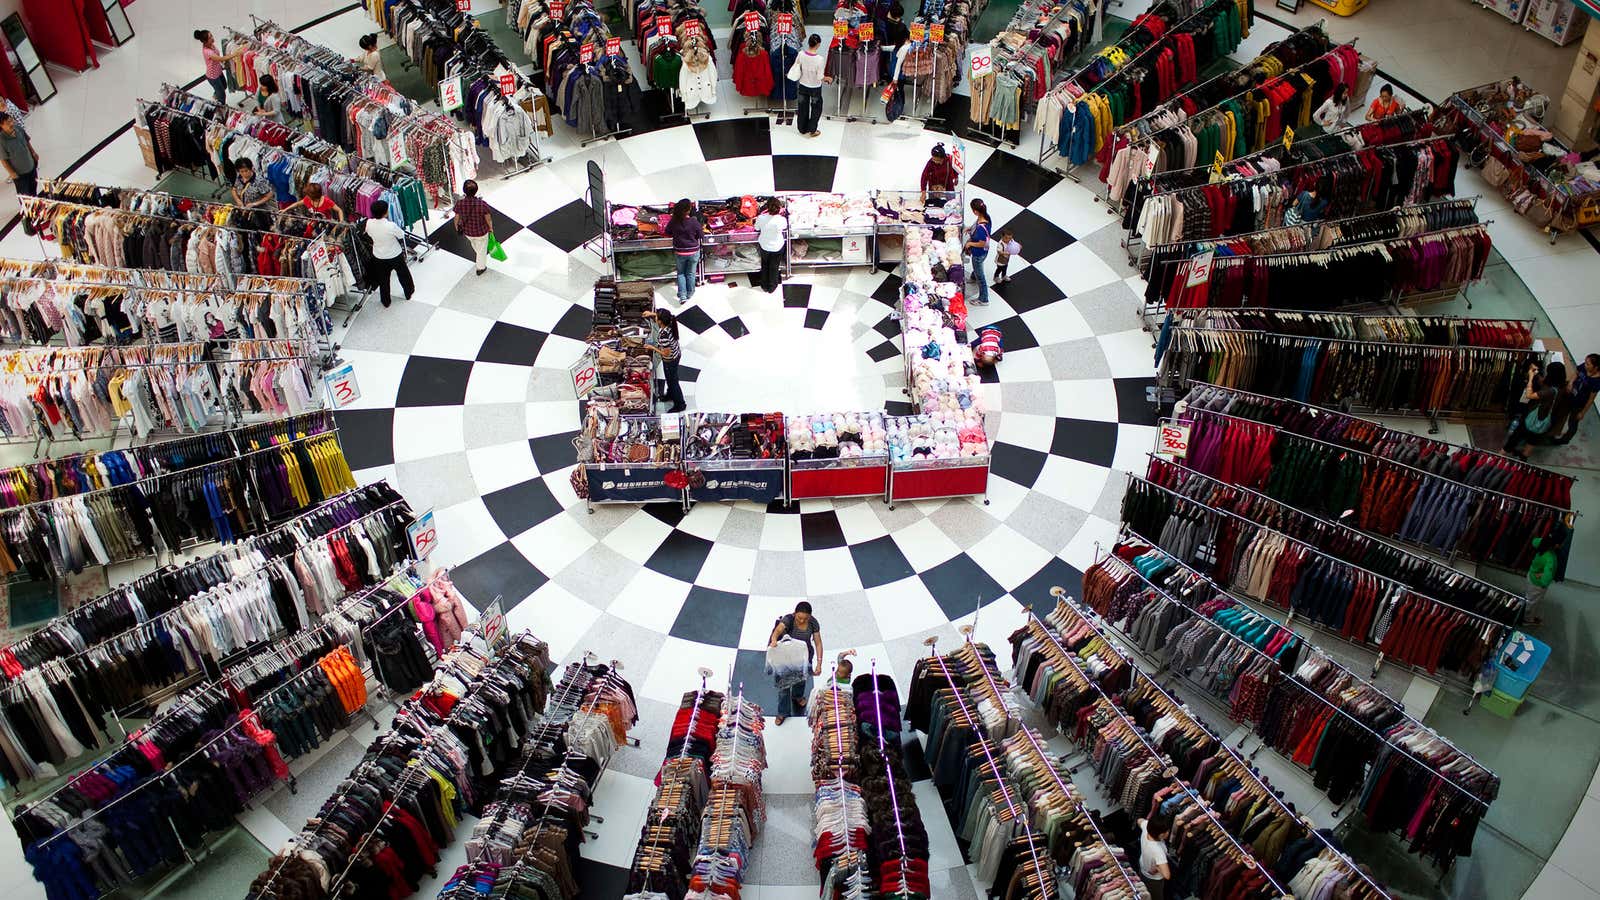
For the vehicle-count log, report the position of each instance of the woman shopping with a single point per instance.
(664, 343)
(214, 60)
(771, 225)
(388, 252)
(978, 246)
(686, 232)
(799, 625)
(369, 60)
(1153, 866)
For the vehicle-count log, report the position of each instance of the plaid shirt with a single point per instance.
(472, 214)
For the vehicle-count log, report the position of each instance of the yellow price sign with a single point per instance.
(919, 30)
(1288, 137)
(840, 28)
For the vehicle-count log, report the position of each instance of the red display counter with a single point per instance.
(814, 479)
(940, 478)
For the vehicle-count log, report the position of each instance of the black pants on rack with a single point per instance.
(771, 270)
(381, 268)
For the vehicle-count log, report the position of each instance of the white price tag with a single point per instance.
(1200, 269)
(424, 536)
(450, 94)
(982, 60)
(342, 386)
(585, 375)
(1172, 439)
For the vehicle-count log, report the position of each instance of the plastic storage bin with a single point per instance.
(1531, 654)
(1501, 705)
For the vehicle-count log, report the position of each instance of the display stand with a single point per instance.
(895, 229)
(754, 480)
(728, 261)
(932, 479)
(631, 483)
(862, 476)
(858, 243)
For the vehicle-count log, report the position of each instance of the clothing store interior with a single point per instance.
(1019, 449)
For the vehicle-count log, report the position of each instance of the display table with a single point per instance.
(822, 233)
(926, 479)
(893, 220)
(864, 476)
(631, 483)
(755, 480)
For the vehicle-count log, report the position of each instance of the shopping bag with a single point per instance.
(495, 250)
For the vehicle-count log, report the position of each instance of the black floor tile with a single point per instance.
(447, 237)
(888, 292)
(1038, 236)
(729, 138)
(568, 227)
(989, 374)
(367, 436)
(1035, 592)
(434, 381)
(521, 506)
(816, 318)
(512, 344)
(750, 670)
(553, 452)
(885, 350)
(889, 327)
(959, 585)
(696, 320)
(1016, 335)
(796, 296)
(1028, 289)
(804, 173)
(680, 556)
(778, 507)
(1014, 178)
(1017, 464)
(821, 531)
(1081, 439)
(879, 562)
(666, 513)
(594, 876)
(1133, 406)
(500, 572)
(688, 374)
(735, 327)
(575, 323)
(710, 616)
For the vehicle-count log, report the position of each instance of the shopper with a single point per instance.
(474, 222)
(978, 247)
(1306, 208)
(250, 188)
(388, 252)
(803, 626)
(1386, 105)
(808, 72)
(771, 225)
(1331, 113)
(21, 160)
(1585, 386)
(664, 343)
(269, 102)
(895, 34)
(214, 60)
(686, 233)
(1541, 396)
(1153, 867)
(938, 173)
(1005, 247)
(316, 203)
(1541, 572)
(369, 60)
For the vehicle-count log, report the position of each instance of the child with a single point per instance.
(987, 349)
(1006, 247)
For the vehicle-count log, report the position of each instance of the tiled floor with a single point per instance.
(466, 406)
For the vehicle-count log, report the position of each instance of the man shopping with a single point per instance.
(21, 162)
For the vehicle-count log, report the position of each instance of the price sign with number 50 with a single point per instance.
(424, 535)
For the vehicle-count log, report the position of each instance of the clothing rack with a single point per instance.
(62, 185)
(894, 799)
(1066, 606)
(1338, 138)
(1199, 577)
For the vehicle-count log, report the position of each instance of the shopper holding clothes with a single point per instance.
(369, 60)
(250, 189)
(770, 226)
(664, 343)
(938, 173)
(1385, 105)
(1541, 572)
(978, 247)
(1154, 869)
(1544, 398)
(802, 626)
(808, 72)
(214, 60)
(388, 252)
(686, 233)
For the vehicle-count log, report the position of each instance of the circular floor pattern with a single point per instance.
(467, 405)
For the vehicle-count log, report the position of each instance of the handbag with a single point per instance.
(610, 360)
(1495, 172)
(1538, 421)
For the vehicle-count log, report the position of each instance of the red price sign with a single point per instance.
(613, 46)
(918, 31)
(840, 29)
(463, 5)
(752, 21)
(508, 83)
(342, 386)
(558, 8)
(783, 23)
(586, 54)
(936, 33)
(866, 31)
(663, 24)
(1173, 439)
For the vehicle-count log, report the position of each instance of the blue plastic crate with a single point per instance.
(1515, 683)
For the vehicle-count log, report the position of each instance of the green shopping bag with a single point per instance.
(495, 250)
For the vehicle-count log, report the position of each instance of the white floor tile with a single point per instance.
(555, 616)
(1092, 399)
(904, 607)
(675, 669)
(497, 383)
(728, 568)
(1008, 557)
(831, 571)
(424, 431)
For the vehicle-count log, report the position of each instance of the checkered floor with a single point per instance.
(467, 406)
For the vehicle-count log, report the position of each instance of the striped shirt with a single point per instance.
(213, 62)
(668, 342)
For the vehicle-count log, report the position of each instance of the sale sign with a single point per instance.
(424, 535)
(450, 94)
(1200, 268)
(508, 83)
(936, 33)
(1172, 439)
(866, 31)
(663, 24)
(982, 60)
(463, 5)
(342, 386)
(752, 21)
(840, 28)
(613, 46)
(783, 23)
(918, 31)
(558, 8)
(585, 375)
(586, 54)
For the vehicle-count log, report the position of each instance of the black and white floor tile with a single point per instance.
(466, 404)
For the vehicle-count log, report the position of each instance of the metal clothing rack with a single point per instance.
(1173, 705)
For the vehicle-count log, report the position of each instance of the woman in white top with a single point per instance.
(771, 224)
(388, 251)
(809, 73)
(1153, 867)
(1331, 113)
(369, 59)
